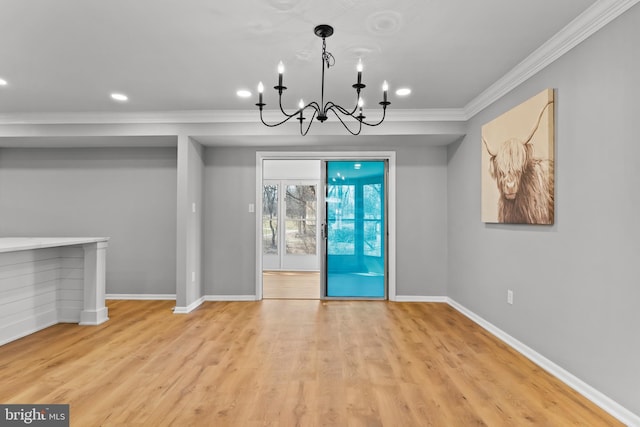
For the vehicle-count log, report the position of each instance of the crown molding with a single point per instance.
(587, 23)
(134, 117)
(427, 115)
(203, 116)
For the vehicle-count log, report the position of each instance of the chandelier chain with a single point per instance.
(327, 57)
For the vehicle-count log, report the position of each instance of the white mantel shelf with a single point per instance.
(49, 280)
(12, 244)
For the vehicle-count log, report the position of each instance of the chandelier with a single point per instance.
(321, 110)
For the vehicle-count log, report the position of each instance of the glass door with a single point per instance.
(289, 225)
(355, 229)
(300, 227)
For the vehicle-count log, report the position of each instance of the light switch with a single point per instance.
(193, 207)
(252, 208)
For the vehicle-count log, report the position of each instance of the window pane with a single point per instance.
(373, 205)
(270, 220)
(373, 238)
(300, 237)
(300, 221)
(372, 201)
(340, 219)
(341, 237)
(301, 202)
(341, 202)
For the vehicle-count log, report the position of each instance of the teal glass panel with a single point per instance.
(355, 203)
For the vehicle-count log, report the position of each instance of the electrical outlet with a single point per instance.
(509, 296)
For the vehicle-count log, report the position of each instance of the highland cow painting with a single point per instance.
(518, 164)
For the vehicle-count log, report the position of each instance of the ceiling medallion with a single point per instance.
(384, 23)
(321, 110)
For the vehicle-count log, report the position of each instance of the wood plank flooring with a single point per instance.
(291, 285)
(286, 363)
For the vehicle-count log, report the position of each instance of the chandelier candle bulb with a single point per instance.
(260, 90)
(301, 105)
(385, 88)
(359, 68)
(280, 72)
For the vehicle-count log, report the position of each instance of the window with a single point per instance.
(300, 219)
(270, 219)
(373, 208)
(341, 219)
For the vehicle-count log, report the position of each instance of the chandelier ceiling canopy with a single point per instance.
(321, 110)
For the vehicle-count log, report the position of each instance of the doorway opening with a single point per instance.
(285, 272)
(290, 232)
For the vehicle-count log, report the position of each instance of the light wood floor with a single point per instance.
(286, 363)
(291, 285)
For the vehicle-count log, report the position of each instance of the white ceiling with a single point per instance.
(168, 55)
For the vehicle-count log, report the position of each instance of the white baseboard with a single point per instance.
(188, 309)
(94, 317)
(612, 407)
(149, 297)
(68, 315)
(172, 297)
(38, 321)
(415, 298)
(230, 298)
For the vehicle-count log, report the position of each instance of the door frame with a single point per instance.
(390, 156)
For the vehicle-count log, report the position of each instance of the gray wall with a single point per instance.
(576, 283)
(127, 194)
(421, 221)
(230, 238)
(229, 229)
(189, 226)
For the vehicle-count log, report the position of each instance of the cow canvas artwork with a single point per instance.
(518, 164)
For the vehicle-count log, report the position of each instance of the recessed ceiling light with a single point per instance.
(403, 91)
(243, 93)
(357, 166)
(119, 97)
(3, 82)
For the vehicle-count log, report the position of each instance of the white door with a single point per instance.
(289, 225)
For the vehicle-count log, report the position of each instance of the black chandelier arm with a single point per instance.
(345, 124)
(305, 132)
(282, 109)
(315, 106)
(333, 107)
(275, 124)
(384, 113)
(330, 106)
